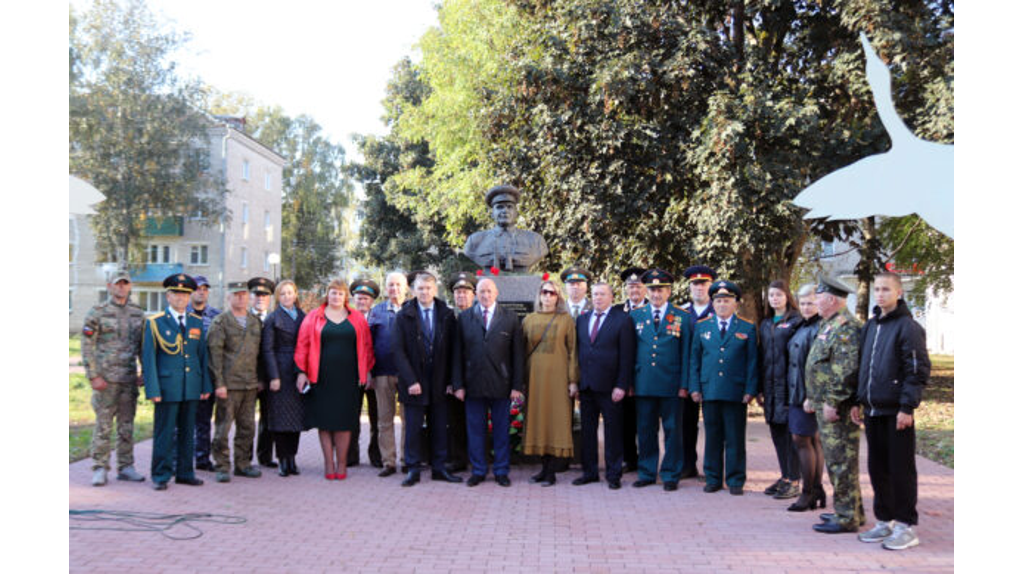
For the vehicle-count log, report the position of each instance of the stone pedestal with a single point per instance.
(517, 292)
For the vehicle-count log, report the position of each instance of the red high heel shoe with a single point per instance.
(341, 476)
(328, 476)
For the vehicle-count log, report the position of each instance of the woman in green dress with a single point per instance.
(334, 355)
(553, 374)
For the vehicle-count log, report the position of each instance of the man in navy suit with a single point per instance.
(422, 344)
(487, 372)
(606, 345)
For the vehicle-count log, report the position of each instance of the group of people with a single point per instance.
(455, 371)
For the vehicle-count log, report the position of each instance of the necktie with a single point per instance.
(427, 326)
(657, 318)
(485, 318)
(725, 327)
(181, 325)
(597, 325)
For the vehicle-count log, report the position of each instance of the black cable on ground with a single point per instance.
(127, 521)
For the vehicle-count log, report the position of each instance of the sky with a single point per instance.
(330, 60)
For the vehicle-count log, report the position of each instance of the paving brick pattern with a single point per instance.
(369, 524)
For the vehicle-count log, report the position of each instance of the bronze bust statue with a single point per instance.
(504, 246)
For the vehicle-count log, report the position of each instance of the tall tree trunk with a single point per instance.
(867, 266)
(738, 10)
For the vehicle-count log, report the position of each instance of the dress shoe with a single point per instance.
(736, 490)
(615, 484)
(827, 516)
(671, 486)
(282, 470)
(689, 473)
(712, 487)
(129, 473)
(412, 478)
(268, 463)
(99, 477)
(292, 467)
(249, 472)
(204, 465)
(222, 477)
(444, 475)
(502, 480)
(534, 479)
(189, 481)
(643, 482)
(833, 528)
(388, 471)
(580, 481)
(455, 467)
(549, 480)
(474, 480)
(159, 486)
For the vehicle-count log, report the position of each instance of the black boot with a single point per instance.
(543, 471)
(282, 466)
(551, 465)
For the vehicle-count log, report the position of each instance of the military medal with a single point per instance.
(707, 335)
(741, 336)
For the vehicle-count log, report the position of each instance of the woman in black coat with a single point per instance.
(781, 321)
(280, 331)
(802, 423)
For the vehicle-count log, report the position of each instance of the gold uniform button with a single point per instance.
(186, 369)
(186, 356)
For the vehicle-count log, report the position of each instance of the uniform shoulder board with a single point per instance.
(744, 319)
(684, 310)
(157, 315)
(196, 316)
(704, 319)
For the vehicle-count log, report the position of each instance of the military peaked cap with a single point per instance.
(574, 274)
(462, 280)
(632, 275)
(700, 273)
(365, 286)
(180, 282)
(723, 288)
(500, 190)
(833, 286)
(658, 278)
(261, 285)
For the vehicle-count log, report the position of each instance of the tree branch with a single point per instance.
(905, 239)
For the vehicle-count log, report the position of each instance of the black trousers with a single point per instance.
(785, 451)
(437, 415)
(204, 417)
(286, 443)
(629, 452)
(689, 426)
(458, 454)
(373, 450)
(593, 405)
(264, 440)
(893, 469)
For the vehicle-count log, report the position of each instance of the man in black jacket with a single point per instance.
(894, 367)
(422, 346)
(606, 345)
(487, 373)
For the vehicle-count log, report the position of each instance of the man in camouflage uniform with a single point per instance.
(234, 344)
(111, 348)
(832, 366)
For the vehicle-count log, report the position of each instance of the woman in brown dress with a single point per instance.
(552, 374)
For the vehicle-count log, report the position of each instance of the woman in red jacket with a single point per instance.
(334, 355)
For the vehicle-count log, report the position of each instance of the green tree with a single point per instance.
(136, 129)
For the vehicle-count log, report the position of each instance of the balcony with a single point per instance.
(171, 225)
(156, 272)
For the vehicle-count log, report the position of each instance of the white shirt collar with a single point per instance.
(176, 315)
(728, 322)
(422, 308)
(661, 310)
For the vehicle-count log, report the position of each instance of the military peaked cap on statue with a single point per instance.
(574, 274)
(632, 275)
(365, 286)
(658, 278)
(462, 280)
(499, 190)
(411, 277)
(723, 288)
(261, 285)
(180, 282)
(833, 286)
(697, 273)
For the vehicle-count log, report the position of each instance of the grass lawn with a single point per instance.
(81, 419)
(934, 418)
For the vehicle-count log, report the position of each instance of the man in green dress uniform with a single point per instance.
(662, 356)
(723, 378)
(175, 375)
(831, 379)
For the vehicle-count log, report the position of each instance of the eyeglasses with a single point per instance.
(549, 292)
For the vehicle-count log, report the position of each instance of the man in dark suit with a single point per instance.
(176, 378)
(606, 345)
(487, 373)
(262, 291)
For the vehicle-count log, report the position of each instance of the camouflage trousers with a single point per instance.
(840, 442)
(239, 408)
(116, 401)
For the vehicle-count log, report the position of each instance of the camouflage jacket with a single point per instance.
(233, 352)
(112, 341)
(833, 361)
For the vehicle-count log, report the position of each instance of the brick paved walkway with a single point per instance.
(369, 524)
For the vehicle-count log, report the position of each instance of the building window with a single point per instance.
(245, 220)
(245, 169)
(266, 261)
(159, 254)
(245, 258)
(268, 226)
(266, 181)
(199, 255)
(150, 301)
(828, 248)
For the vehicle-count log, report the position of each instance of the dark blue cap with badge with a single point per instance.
(365, 286)
(697, 273)
(833, 286)
(723, 288)
(658, 278)
(462, 280)
(632, 275)
(200, 281)
(574, 274)
(180, 282)
(261, 286)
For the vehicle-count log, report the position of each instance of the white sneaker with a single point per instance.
(99, 477)
(903, 537)
(880, 532)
